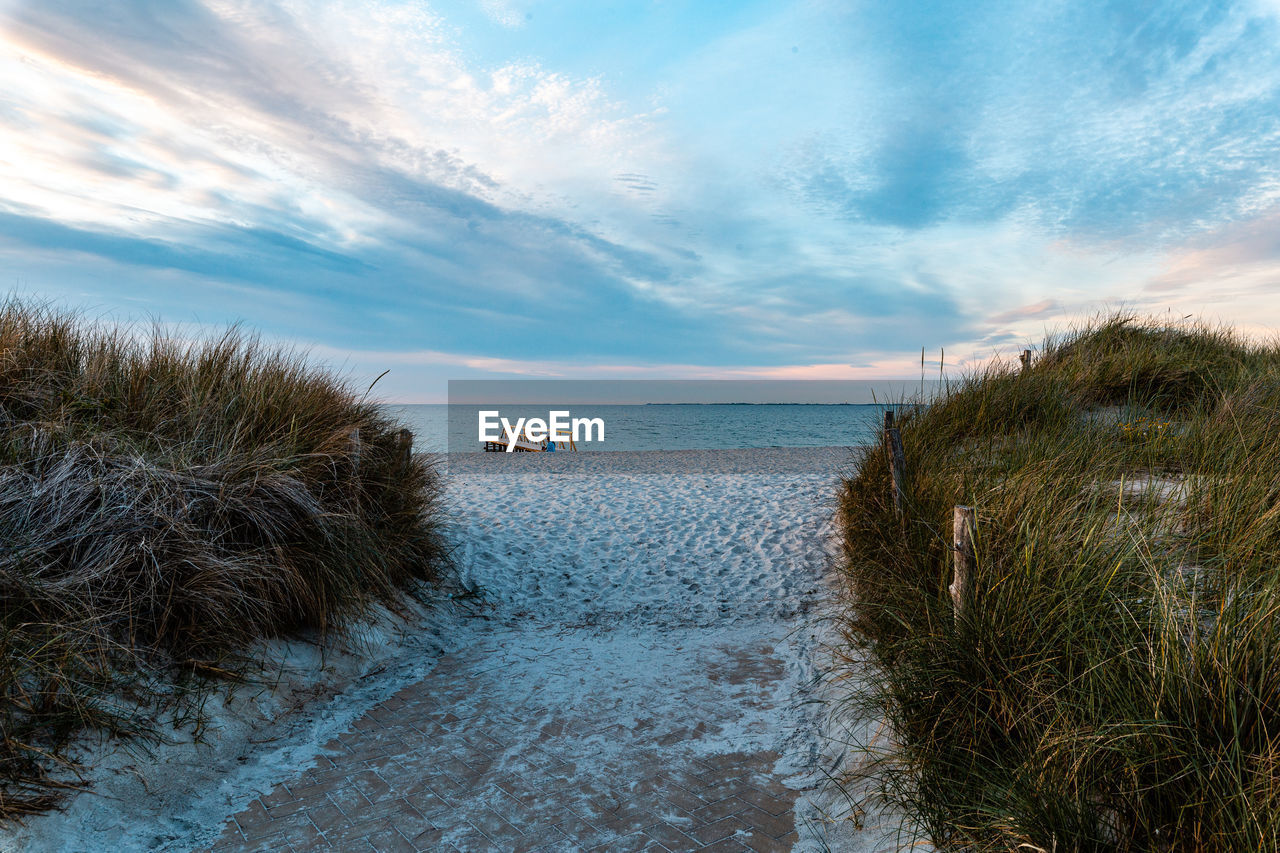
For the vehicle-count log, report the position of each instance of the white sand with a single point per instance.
(169, 797)
(614, 579)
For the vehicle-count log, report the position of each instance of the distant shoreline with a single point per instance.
(473, 404)
(758, 404)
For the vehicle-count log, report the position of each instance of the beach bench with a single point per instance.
(524, 445)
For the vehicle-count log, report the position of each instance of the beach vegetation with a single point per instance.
(1112, 680)
(165, 503)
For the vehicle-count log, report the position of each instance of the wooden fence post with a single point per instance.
(355, 447)
(897, 460)
(404, 449)
(962, 560)
(1025, 358)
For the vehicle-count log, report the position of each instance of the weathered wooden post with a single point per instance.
(1025, 358)
(404, 449)
(962, 559)
(355, 447)
(897, 460)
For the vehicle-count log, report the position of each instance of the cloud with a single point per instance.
(1028, 312)
(375, 177)
(1104, 122)
(282, 172)
(1241, 250)
(503, 12)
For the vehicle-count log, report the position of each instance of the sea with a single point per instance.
(668, 426)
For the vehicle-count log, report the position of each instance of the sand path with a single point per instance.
(639, 682)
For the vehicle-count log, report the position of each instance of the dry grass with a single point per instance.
(162, 504)
(1116, 685)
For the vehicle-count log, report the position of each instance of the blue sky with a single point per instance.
(661, 189)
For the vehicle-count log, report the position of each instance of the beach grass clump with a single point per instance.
(1112, 679)
(165, 503)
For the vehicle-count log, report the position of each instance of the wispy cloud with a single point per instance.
(503, 12)
(1042, 308)
(799, 187)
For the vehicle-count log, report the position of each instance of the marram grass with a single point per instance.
(163, 504)
(1115, 683)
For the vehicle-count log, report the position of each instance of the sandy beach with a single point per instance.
(979, 309)
(641, 674)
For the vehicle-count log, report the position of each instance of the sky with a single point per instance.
(663, 189)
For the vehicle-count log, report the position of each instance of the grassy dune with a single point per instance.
(161, 505)
(1115, 681)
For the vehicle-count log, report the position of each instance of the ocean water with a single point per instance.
(682, 426)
